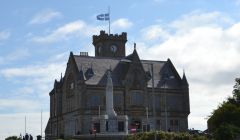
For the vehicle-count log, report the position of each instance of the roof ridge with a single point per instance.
(154, 60)
(94, 57)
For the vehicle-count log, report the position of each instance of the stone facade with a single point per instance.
(150, 101)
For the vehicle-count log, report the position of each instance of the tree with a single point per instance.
(13, 138)
(225, 120)
(226, 132)
(236, 91)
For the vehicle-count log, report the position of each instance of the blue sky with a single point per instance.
(36, 37)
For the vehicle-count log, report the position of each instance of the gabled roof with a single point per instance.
(100, 65)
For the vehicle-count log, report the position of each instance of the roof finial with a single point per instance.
(134, 46)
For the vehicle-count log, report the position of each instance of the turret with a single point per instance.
(109, 45)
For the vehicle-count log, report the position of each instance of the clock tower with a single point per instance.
(109, 45)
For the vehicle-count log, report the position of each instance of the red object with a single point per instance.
(133, 129)
(94, 131)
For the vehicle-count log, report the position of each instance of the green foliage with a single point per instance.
(225, 120)
(226, 113)
(226, 132)
(12, 138)
(165, 136)
(236, 91)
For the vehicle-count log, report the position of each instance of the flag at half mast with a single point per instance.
(103, 17)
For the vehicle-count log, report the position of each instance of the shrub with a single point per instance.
(165, 136)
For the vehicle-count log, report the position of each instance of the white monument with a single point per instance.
(110, 122)
(109, 97)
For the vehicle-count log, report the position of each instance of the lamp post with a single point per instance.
(153, 96)
(165, 98)
(165, 107)
(147, 118)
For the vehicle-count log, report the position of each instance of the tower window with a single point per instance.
(113, 48)
(99, 49)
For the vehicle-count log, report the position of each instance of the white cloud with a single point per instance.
(76, 28)
(200, 19)
(26, 90)
(155, 32)
(36, 79)
(33, 71)
(18, 54)
(45, 16)
(122, 23)
(237, 2)
(4, 35)
(209, 52)
(18, 105)
(15, 55)
(14, 124)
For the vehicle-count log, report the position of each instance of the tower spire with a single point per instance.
(184, 79)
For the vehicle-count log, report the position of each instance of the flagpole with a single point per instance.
(109, 20)
(25, 124)
(41, 122)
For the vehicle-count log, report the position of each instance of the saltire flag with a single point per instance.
(103, 17)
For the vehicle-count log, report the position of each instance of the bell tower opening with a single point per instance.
(109, 45)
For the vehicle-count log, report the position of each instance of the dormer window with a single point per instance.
(89, 73)
(148, 75)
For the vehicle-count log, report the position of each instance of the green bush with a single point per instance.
(12, 138)
(160, 135)
(226, 132)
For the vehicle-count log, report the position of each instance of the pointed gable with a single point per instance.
(136, 76)
(184, 80)
(169, 76)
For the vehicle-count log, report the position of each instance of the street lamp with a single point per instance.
(147, 118)
(165, 95)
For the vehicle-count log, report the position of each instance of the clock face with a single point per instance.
(113, 48)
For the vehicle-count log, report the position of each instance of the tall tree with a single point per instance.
(225, 120)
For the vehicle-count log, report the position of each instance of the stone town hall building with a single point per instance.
(150, 101)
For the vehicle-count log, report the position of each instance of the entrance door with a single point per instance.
(136, 124)
(120, 126)
(97, 127)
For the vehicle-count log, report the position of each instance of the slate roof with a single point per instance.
(95, 68)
